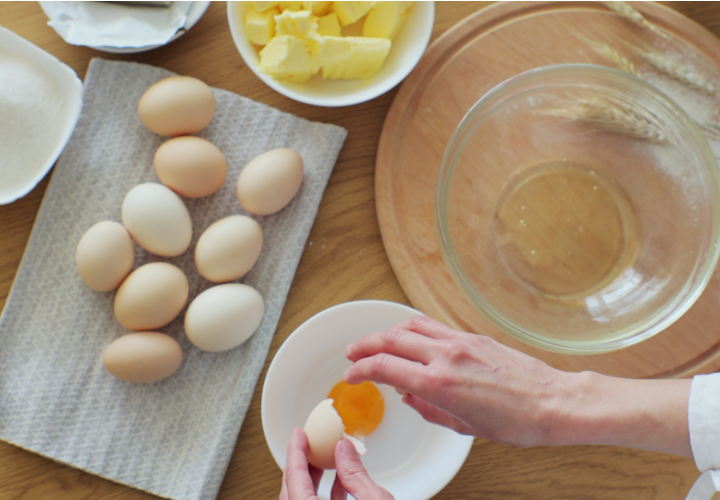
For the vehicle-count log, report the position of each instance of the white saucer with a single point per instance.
(408, 456)
(197, 9)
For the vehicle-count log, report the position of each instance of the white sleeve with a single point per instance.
(704, 424)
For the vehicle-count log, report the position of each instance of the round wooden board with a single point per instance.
(467, 61)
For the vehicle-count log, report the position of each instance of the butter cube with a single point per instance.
(349, 12)
(329, 25)
(295, 23)
(318, 8)
(290, 58)
(259, 26)
(352, 57)
(290, 5)
(386, 19)
(263, 6)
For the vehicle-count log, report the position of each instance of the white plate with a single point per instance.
(407, 49)
(408, 456)
(197, 9)
(48, 92)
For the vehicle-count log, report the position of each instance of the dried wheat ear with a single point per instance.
(611, 115)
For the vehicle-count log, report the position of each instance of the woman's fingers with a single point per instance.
(435, 415)
(353, 476)
(387, 369)
(299, 485)
(338, 491)
(397, 341)
(430, 328)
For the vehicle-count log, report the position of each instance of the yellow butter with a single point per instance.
(259, 26)
(290, 5)
(334, 55)
(263, 6)
(386, 19)
(295, 23)
(329, 25)
(318, 8)
(349, 12)
(352, 57)
(290, 58)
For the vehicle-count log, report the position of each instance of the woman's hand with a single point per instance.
(467, 382)
(475, 385)
(300, 479)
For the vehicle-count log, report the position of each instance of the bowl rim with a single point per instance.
(69, 85)
(364, 90)
(681, 301)
(309, 337)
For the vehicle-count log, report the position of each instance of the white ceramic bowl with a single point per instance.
(406, 51)
(28, 112)
(408, 456)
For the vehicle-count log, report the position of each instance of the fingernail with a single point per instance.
(348, 450)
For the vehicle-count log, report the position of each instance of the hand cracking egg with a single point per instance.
(351, 412)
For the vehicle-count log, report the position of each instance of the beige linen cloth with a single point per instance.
(173, 438)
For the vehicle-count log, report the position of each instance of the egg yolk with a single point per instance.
(360, 406)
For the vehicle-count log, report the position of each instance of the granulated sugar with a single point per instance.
(32, 111)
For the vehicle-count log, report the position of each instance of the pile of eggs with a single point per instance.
(154, 216)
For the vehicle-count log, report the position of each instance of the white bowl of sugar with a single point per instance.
(40, 103)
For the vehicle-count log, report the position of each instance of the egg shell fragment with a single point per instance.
(223, 316)
(179, 105)
(151, 296)
(104, 256)
(157, 219)
(228, 248)
(270, 181)
(190, 166)
(324, 429)
(143, 357)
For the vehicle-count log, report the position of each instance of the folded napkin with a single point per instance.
(173, 438)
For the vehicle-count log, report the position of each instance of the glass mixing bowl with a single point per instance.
(578, 208)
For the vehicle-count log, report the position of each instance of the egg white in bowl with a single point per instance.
(407, 49)
(408, 456)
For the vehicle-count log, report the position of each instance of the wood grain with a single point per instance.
(483, 51)
(343, 260)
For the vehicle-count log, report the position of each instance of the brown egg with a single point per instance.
(179, 105)
(190, 166)
(228, 248)
(151, 297)
(142, 357)
(104, 256)
(270, 181)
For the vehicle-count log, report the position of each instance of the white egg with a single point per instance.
(228, 248)
(157, 219)
(223, 317)
(324, 429)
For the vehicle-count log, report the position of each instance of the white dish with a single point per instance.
(408, 456)
(40, 103)
(196, 11)
(406, 51)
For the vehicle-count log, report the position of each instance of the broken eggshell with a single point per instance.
(324, 429)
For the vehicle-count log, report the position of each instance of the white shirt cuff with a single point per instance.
(704, 422)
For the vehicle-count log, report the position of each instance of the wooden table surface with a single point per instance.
(343, 261)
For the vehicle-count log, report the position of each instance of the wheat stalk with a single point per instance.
(663, 62)
(678, 71)
(612, 115)
(625, 10)
(612, 56)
